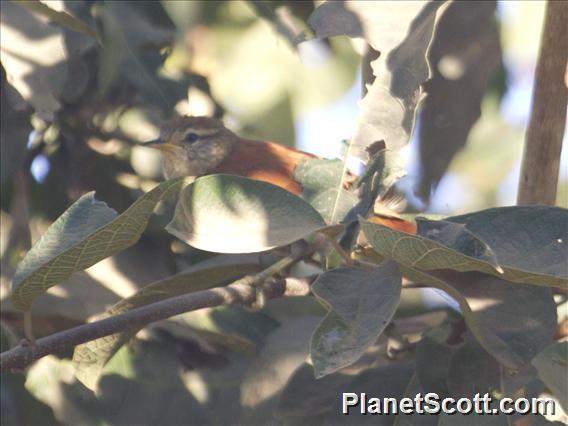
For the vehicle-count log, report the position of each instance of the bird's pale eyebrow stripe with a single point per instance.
(202, 132)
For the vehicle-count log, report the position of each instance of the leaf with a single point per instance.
(361, 305)
(459, 238)
(414, 388)
(130, 52)
(15, 128)
(528, 243)
(465, 54)
(280, 357)
(49, 380)
(310, 401)
(433, 356)
(552, 367)
(86, 233)
(143, 386)
(401, 32)
(18, 406)
(531, 242)
(321, 181)
(388, 381)
(62, 18)
(512, 322)
(34, 56)
(472, 420)
(232, 214)
(307, 400)
(90, 358)
(230, 327)
(472, 370)
(282, 19)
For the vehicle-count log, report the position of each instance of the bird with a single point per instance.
(198, 146)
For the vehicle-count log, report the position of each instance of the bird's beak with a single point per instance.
(159, 144)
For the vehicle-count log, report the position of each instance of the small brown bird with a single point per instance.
(199, 146)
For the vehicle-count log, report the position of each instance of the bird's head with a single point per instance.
(193, 146)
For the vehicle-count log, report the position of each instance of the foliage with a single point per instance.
(95, 79)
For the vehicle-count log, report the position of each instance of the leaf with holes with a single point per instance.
(86, 233)
(401, 32)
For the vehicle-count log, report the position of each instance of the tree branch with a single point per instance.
(237, 293)
(543, 143)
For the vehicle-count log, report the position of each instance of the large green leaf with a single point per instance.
(322, 187)
(552, 367)
(519, 244)
(362, 304)
(90, 358)
(401, 32)
(513, 322)
(531, 242)
(232, 214)
(86, 233)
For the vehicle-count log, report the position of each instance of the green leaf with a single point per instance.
(459, 238)
(472, 370)
(232, 214)
(130, 53)
(309, 401)
(552, 367)
(322, 187)
(401, 32)
(86, 233)
(462, 76)
(414, 388)
(528, 244)
(531, 242)
(90, 358)
(433, 356)
(62, 18)
(361, 305)
(267, 376)
(513, 322)
(143, 386)
(282, 19)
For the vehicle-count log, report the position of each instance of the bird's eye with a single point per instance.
(191, 137)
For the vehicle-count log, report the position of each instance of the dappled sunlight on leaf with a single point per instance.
(232, 214)
(86, 233)
(361, 304)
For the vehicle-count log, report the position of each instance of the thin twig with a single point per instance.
(22, 356)
(342, 253)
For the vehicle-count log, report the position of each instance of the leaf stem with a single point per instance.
(342, 253)
(28, 328)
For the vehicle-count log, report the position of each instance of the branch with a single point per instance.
(238, 293)
(543, 144)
